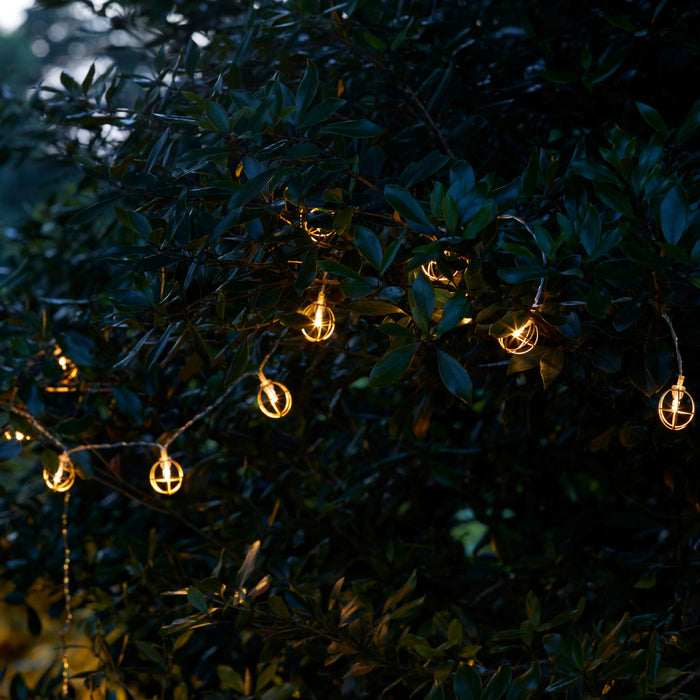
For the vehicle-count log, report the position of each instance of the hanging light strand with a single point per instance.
(68, 615)
(679, 359)
(524, 338)
(536, 303)
(676, 407)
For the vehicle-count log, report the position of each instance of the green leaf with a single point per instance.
(456, 309)
(278, 606)
(607, 358)
(306, 273)
(479, 221)
(418, 172)
(150, 653)
(389, 255)
(467, 683)
(248, 564)
(629, 314)
(217, 116)
(594, 171)
(238, 363)
(524, 273)
(590, 230)
(690, 123)
(231, 679)
(455, 378)
(353, 128)
(374, 41)
(134, 221)
(368, 244)
(674, 214)
(598, 300)
(374, 308)
(533, 608)
(128, 403)
(451, 213)
(191, 58)
(498, 684)
(401, 593)
(404, 203)
(626, 666)
(653, 118)
(320, 112)
(423, 297)
(551, 364)
(355, 288)
(197, 599)
(392, 365)
(338, 269)
(308, 87)
(567, 682)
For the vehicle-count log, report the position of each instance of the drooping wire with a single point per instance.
(536, 303)
(68, 615)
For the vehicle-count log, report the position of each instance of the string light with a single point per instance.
(70, 373)
(65, 666)
(315, 233)
(524, 338)
(433, 273)
(274, 399)
(166, 474)
(63, 477)
(10, 434)
(322, 320)
(676, 406)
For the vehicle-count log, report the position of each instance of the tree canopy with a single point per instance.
(433, 516)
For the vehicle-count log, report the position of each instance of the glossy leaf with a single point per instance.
(392, 365)
(455, 378)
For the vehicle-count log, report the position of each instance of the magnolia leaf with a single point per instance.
(392, 365)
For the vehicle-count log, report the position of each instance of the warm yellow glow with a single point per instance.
(16, 435)
(323, 320)
(521, 340)
(432, 272)
(316, 234)
(676, 406)
(166, 474)
(70, 372)
(64, 476)
(274, 399)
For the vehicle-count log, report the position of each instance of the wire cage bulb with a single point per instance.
(432, 272)
(676, 406)
(315, 233)
(274, 399)
(322, 320)
(166, 474)
(63, 477)
(521, 340)
(70, 372)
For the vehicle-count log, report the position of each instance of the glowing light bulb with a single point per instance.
(316, 234)
(166, 474)
(432, 272)
(274, 399)
(63, 477)
(70, 372)
(521, 340)
(9, 434)
(323, 320)
(676, 406)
